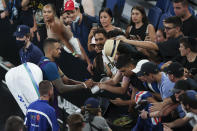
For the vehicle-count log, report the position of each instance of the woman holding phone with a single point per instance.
(139, 27)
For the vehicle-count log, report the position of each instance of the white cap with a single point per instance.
(139, 64)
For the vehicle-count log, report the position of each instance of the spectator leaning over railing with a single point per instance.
(167, 49)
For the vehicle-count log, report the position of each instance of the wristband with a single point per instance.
(62, 76)
(84, 85)
(74, 53)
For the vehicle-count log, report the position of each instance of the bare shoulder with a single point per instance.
(150, 26)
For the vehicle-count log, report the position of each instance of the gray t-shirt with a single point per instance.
(99, 122)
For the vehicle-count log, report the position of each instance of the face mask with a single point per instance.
(77, 19)
(75, 22)
(20, 43)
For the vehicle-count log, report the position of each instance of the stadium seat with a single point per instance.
(163, 4)
(154, 15)
(191, 10)
(112, 3)
(163, 16)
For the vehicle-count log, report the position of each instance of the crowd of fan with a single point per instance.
(156, 70)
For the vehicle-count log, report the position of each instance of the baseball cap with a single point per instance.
(70, 5)
(192, 95)
(139, 65)
(181, 85)
(148, 67)
(110, 47)
(21, 31)
(175, 69)
(92, 103)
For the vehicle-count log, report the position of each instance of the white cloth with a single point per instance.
(1, 5)
(21, 86)
(75, 43)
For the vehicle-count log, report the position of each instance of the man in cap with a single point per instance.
(153, 74)
(93, 117)
(82, 23)
(29, 52)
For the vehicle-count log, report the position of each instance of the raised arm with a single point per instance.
(65, 35)
(142, 44)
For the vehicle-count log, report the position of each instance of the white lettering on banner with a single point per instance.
(66, 105)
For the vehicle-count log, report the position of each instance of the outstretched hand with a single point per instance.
(89, 83)
(157, 106)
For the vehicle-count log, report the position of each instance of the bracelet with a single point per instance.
(84, 85)
(62, 76)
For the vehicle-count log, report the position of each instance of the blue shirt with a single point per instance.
(31, 54)
(82, 30)
(165, 86)
(41, 117)
(49, 69)
(152, 86)
(50, 72)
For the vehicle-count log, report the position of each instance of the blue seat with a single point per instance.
(163, 17)
(191, 10)
(112, 3)
(163, 4)
(154, 15)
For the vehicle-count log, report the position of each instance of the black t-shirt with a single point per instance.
(141, 32)
(190, 27)
(169, 49)
(193, 87)
(26, 18)
(187, 64)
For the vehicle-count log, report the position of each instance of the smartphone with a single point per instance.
(94, 24)
(95, 89)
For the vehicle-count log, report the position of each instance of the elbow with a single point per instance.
(61, 91)
(122, 92)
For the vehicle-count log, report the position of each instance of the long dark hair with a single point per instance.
(142, 11)
(108, 11)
